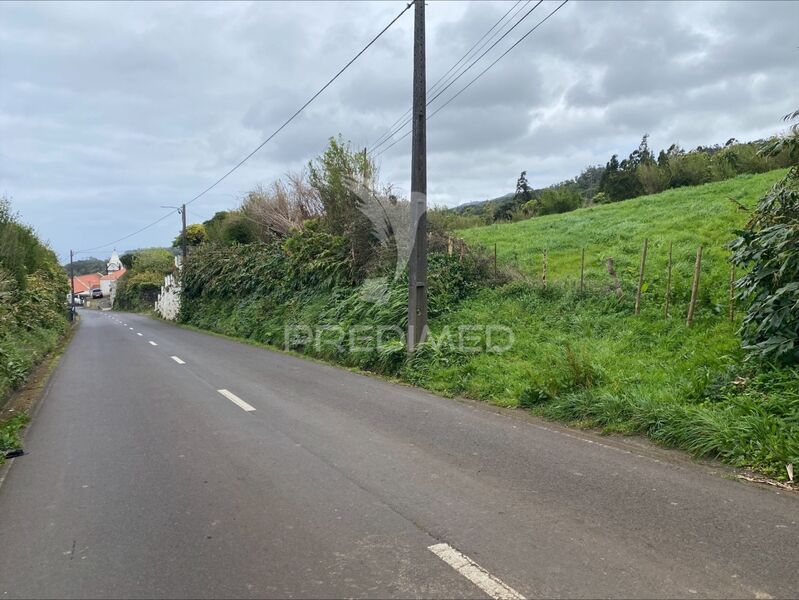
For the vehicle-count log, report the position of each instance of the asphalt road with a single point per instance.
(141, 479)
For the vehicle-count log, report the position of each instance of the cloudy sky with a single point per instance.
(108, 111)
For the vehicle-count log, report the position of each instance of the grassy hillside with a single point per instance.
(588, 359)
(686, 217)
(582, 358)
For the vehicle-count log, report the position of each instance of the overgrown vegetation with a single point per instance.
(33, 293)
(768, 247)
(587, 359)
(138, 288)
(309, 276)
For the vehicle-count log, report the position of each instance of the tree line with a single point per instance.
(640, 173)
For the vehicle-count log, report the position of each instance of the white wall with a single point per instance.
(168, 303)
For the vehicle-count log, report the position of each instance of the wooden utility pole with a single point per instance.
(417, 266)
(183, 240)
(71, 285)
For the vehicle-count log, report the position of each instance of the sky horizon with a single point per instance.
(109, 111)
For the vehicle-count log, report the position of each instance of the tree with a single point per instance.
(87, 265)
(523, 192)
(334, 175)
(283, 206)
(195, 235)
(155, 260)
(768, 248)
(559, 199)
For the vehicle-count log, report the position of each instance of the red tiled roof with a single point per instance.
(114, 275)
(85, 283)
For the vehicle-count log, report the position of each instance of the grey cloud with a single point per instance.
(108, 110)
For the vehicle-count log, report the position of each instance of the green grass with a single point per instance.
(587, 359)
(10, 434)
(581, 358)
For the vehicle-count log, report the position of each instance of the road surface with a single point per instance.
(143, 479)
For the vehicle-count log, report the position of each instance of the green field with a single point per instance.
(587, 359)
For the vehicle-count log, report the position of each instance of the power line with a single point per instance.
(479, 75)
(461, 74)
(454, 66)
(303, 107)
(267, 140)
(130, 235)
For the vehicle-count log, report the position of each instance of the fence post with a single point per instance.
(544, 269)
(694, 286)
(582, 272)
(640, 278)
(449, 245)
(668, 282)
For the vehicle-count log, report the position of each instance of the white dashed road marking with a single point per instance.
(131, 328)
(137, 333)
(475, 573)
(177, 360)
(236, 400)
(152, 343)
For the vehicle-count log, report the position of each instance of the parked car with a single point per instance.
(76, 300)
(97, 293)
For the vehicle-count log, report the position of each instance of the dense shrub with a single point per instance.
(768, 248)
(33, 293)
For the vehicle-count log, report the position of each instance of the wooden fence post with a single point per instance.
(612, 273)
(449, 246)
(640, 278)
(694, 286)
(582, 272)
(544, 269)
(732, 292)
(668, 282)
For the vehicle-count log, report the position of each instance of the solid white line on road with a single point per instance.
(137, 333)
(475, 573)
(236, 400)
(177, 360)
(152, 343)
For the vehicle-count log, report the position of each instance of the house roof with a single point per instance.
(85, 283)
(114, 275)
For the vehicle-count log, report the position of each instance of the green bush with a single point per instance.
(33, 293)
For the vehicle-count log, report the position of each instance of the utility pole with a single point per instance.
(417, 265)
(183, 240)
(182, 212)
(71, 285)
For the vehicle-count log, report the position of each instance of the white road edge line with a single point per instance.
(475, 573)
(152, 343)
(236, 400)
(177, 360)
